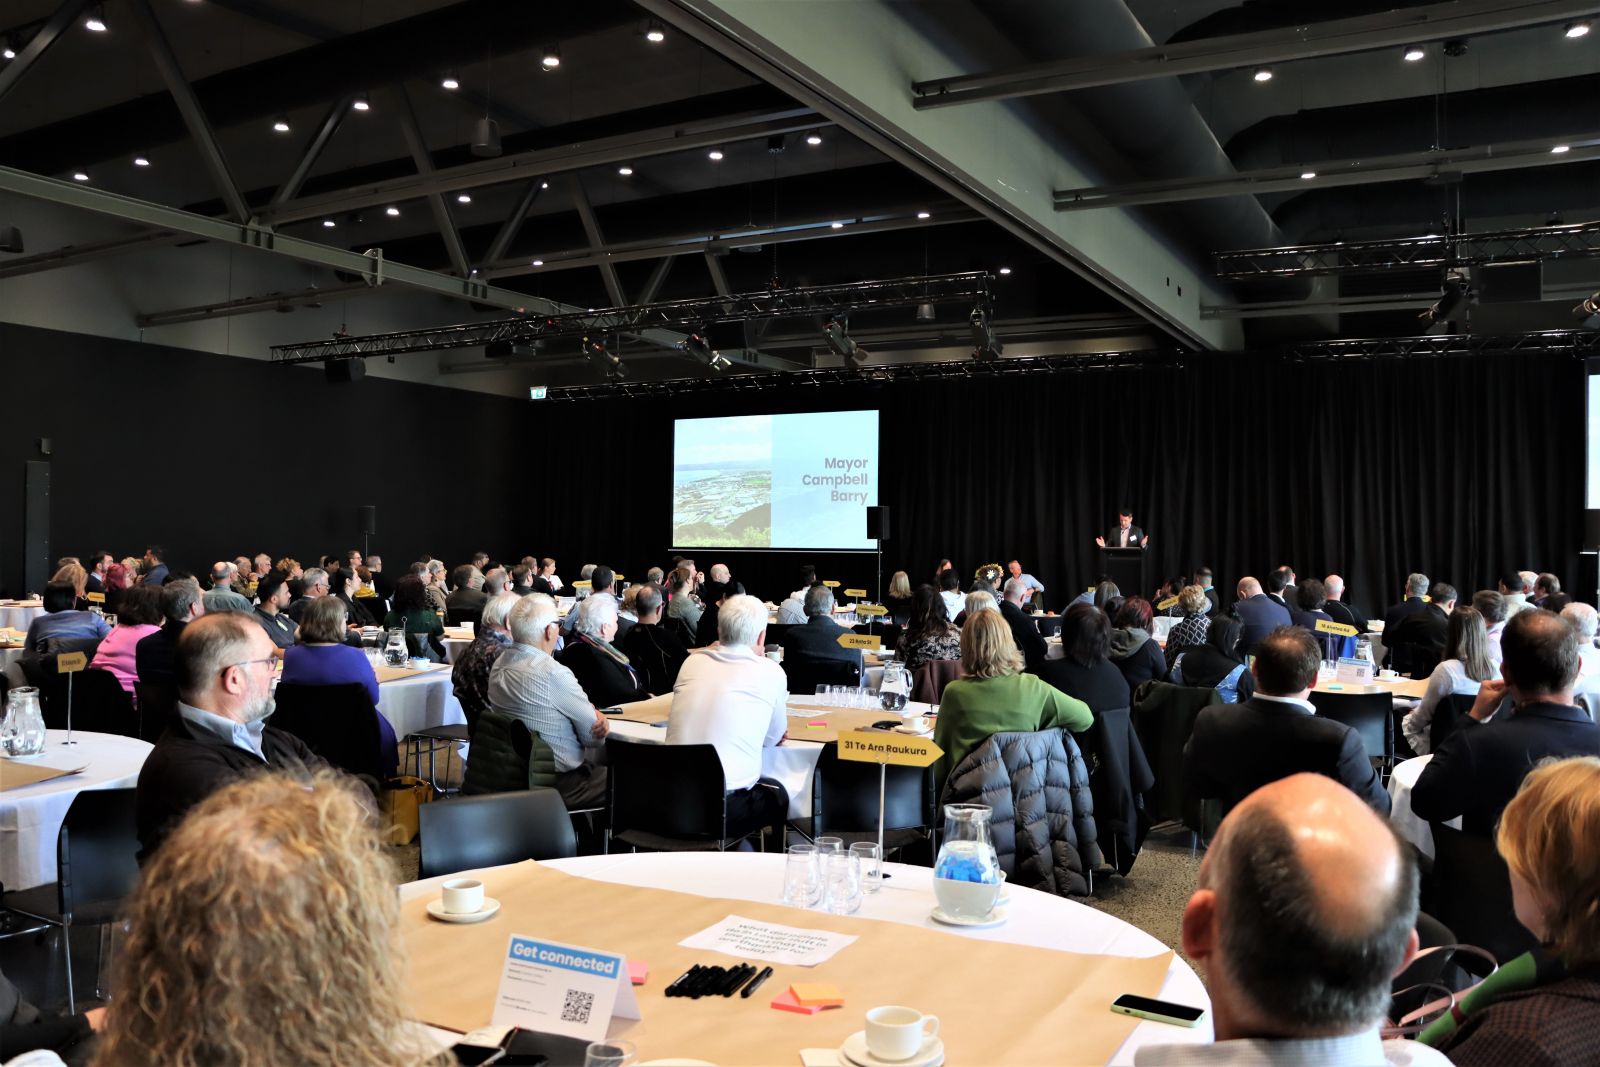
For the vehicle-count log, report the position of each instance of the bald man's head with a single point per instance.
(1248, 587)
(1306, 910)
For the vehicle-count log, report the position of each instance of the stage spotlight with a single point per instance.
(698, 346)
(1452, 304)
(985, 347)
(1587, 312)
(837, 334)
(595, 351)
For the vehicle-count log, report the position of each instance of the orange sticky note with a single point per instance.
(817, 995)
(786, 1002)
(638, 972)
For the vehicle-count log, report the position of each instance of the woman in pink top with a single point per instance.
(139, 617)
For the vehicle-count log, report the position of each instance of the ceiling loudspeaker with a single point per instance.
(345, 370)
(486, 138)
(10, 239)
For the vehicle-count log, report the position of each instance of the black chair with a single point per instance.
(158, 707)
(670, 798)
(805, 673)
(844, 799)
(431, 742)
(678, 625)
(1371, 715)
(99, 703)
(462, 616)
(495, 828)
(1442, 965)
(1447, 716)
(337, 722)
(1470, 892)
(1163, 717)
(776, 631)
(96, 869)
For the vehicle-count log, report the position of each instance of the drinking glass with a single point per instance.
(843, 888)
(826, 845)
(871, 865)
(836, 697)
(822, 695)
(111, 619)
(609, 1054)
(802, 881)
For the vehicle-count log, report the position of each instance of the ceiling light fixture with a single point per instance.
(140, 161)
(1577, 29)
(450, 83)
(655, 32)
(1587, 312)
(328, 224)
(551, 58)
(985, 347)
(1005, 270)
(1414, 53)
(836, 225)
(1307, 175)
(625, 171)
(1560, 150)
(837, 334)
(813, 138)
(392, 211)
(280, 124)
(463, 198)
(10, 50)
(538, 263)
(924, 215)
(96, 22)
(715, 155)
(79, 176)
(1263, 74)
(544, 185)
(361, 103)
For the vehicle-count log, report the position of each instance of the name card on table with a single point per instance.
(563, 989)
(871, 609)
(830, 583)
(1353, 672)
(876, 746)
(1167, 604)
(1343, 629)
(868, 642)
(855, 592)
(71, 662)
(583, 583)
(95, 598)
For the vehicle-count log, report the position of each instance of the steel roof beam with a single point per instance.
(440, 210)
(513, 224)
(313, 151)
(39, 43)
(591, 230)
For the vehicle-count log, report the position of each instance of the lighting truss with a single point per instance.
(674, 314)
(1579, 240)
(1546, 343)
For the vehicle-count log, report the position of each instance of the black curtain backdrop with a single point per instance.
(1460, 467)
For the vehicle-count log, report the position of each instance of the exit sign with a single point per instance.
(538, 392)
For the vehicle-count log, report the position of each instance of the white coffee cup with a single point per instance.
(896, 1033)
(919, 723)
(467, 626)
(461, 896)
(1388, 674)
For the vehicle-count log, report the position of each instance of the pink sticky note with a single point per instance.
(819, 722)
(786, 1002)
(638, 972)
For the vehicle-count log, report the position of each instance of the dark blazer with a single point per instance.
(382, 584)
(188, 764)
(155, 656)
(1417, 640)
(818, 639)
(705, 631)
(605, 681)
(1102, 686)
(355, 612)
(1392, 617)
(1260, 615)
(1237, 748)
(1480, 766)
(1113, 537)
(1285, 598)
(466, 600)
(93, 584)
(1025, 632)
(1348, 614)
(541, 584)
(157, 575)
(657, 653)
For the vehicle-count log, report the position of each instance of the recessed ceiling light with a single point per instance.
(450, 83)
(463, 199)
(544, 185)
(1307, 175)
(1577, 29)
(1560, 149)
(538, 263)
(626, 172)
(715, 155)
(1263, 74)
(140, 161)
(391, 211)
(1414, 53)
(280, 124)
(1005, 270)
(328, 224)
(361, 103)
(551, 59)
(836, 225)
(813, 139)
(655, 32)
(924, 215)
(79, 176)
(9, 52)
(96, 22)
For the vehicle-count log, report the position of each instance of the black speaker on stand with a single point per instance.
(1591, 543)
(369, 525)
(878, 530)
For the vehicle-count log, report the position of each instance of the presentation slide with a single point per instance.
(1593, 493)
(775, 481)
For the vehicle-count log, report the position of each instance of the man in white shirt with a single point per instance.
(1306, 910)
(1585, 620)
(955, 601)
(732, 697)
(1515, 590)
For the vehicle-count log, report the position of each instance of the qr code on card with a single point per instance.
(577, 1007)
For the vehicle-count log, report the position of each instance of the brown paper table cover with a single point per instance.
(386, 673)
(997, 1003)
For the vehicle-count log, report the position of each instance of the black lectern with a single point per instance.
(1125, 566)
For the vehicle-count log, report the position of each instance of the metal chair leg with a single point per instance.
(66, 952)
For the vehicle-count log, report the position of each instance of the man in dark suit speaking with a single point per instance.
(1124, 534)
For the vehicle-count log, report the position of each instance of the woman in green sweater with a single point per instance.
(995, 697)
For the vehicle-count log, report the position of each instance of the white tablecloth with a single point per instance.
(420, 702)
(453, 647)
(30, 817)
(11, 666)
(1401, 781)
(1034, 918)
(794, 763)
(18, 618)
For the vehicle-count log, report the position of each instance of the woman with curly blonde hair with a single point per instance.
(264, 932)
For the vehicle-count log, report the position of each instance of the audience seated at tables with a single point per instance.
(496, 580)
(711, 590)
(713, 595)
(1480, 766)
(1085, 670)
(433, 583)
(818, 639)
(527, 683)
(273, 593)
(466, 589)
(730, 696)
(140, 617)
(224, 671)
(314, 585)
(155, 656)
(1192, 626)
(1546, 1015)
(410, 612)
(1417, 641)
(348, 595)
(117, 582)
(72, 572)
(1492, 606)
(266, 931)
(1516, 586)
(607, 676)
(1545, 586)
(294, 576)
(548, 581)
(1237, 748)
(322, 658)
(1583, 619)
(928, 635)
(996, 696)
(154, 568)
(1218, 664)
(955, 601)
(1305, 912)
(898, 599)
(1203, 577)
(1258, 615)
(1105, 591)
(99, 564)
(1337, 608)
(602, 581)
(470, 675)
(683, 610)
(62, 627)
(1024, 631)
(1133, 651)
(1281, 589)
(1416, 589)
(522, 579)
(1464, 666)
(651, 648)
(976, 601)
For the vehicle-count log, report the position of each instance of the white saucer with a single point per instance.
(677, 1063)
(854, 1050)
(995, 918)
(913, 731)
(490, 906)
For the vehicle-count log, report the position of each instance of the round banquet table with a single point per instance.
(30, 817)
(1035, 919)
(18, 616)
(1405, 822)
(419, 702)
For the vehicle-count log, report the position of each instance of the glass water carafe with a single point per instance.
(395, 653)
(22, 730)
(966, 876)
(895, 689)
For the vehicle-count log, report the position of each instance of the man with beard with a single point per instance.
(224, 674)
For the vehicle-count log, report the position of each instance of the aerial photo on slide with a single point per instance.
(722, 483)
